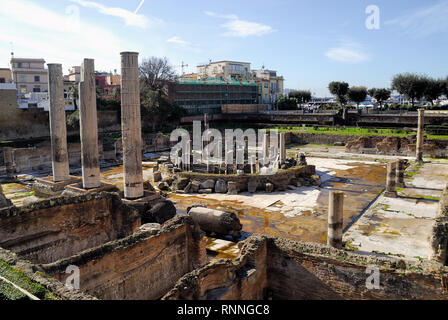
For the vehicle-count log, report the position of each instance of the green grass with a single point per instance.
(357, 131)
(8, 292)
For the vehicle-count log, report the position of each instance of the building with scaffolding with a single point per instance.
(209, 95)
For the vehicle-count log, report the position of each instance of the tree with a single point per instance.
(381, 95)
(357, 94)
(74, 95)
(155, 73)
(371, 92)
(411, 85)
(434, 89)
(340, 90)
(302, 96)
(158, 109)
(285, 103)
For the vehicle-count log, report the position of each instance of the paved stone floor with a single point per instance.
(402, 226)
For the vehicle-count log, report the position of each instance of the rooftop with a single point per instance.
(229, 61)
(217, 81)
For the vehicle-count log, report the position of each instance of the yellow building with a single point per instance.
(5, 75)
(271, 85)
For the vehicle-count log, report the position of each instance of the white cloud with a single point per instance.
(348, 52)
(130, 18)
(424, 22)
(55, 38)
(241, 28)
(179, 41)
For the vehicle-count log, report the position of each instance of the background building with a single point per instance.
(208, 96)
(29, 75)
(271, 85)
(226, 70)
(5, 75)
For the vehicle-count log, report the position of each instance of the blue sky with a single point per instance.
(310, 43)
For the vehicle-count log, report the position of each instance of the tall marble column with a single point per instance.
(58, 128)
(131, 126)
(89, 126)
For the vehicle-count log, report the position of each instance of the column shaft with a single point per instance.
(390, 181)
(131, 126)
(282, 151)
(89, 126)
(335, 219)
(420, 135)
(8, 156)
(58, 128)
(399, 178)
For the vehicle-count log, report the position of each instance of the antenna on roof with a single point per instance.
(12, 49)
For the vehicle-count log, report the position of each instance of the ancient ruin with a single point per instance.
(232, 214)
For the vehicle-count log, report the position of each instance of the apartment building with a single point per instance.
(5, 75)
(29, 75)
(271, 85)
(226, 70)
(208, 96)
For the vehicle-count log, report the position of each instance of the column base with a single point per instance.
(391, 194)
(148, 196)
(77, 189)
(47, 187)
(400, 185)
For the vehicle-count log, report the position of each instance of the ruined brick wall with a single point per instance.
(439, 235)
(282, 177)
(396, 146)
(142, 266)
(312, 271)
(18, 123)
(244, 279)
(296, 270)
(40, 157)
(57, 228)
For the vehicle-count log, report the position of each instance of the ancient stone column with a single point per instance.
(4, 202)
(58, 128)
(420, 135)
(335, 219)
(390, 181)
(282, 151)
(399, 174)
(89, 126)
(206, 125)
(131, 126)
(266, 148)
(8, 156)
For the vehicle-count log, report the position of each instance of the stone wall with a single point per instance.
(57, 228)
(243, 108)
(281, 178)
(24, 275)
(285, 269)
(396, 146)
(40, 156)
(439, 236)
(243, 279)
(140, 267)
(18, 123)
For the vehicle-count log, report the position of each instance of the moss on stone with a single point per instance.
(9, 292)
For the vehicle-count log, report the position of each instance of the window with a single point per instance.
(36, 78)
(2, 80)
(21, 78)
(36, 89)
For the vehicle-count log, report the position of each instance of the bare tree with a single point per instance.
(156, 72)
